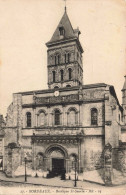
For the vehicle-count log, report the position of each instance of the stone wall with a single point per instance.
(12, 160)
(92, 153)
(112, 123)
(10, 135)
(119, 159)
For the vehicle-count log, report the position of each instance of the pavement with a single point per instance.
(94, 177)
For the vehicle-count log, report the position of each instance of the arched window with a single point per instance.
(72, 117)
(70, 73)
(54, 76)
(67, 57)
(68, 85)
(57, 59)
(56, 87)
(94, 116)
(61, 31)
(57, 117)
(28, 119)
(61, 75)
(42, 119)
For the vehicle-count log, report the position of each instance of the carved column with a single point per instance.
(80, 114)
(52, 119)
(34, 117)
(34, 155)
(63, 118)
(79, 155)
(48, 116)
(67, 165)
(46, 163)
(67, 120)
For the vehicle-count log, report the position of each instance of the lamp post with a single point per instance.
(25, 169)
(75, 183)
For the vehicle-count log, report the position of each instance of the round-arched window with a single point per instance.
(69, 73)
(94, 116)
(42, 119)
(72, 117)
(28, 119)
(57, 117)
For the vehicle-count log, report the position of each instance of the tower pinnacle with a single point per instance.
(65, 5)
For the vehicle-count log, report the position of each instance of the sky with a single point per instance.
(26, 25)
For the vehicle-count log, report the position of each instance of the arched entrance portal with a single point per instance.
(56, 160)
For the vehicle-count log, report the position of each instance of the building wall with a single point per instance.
(95, 137)
(112, 121)
(92, 152)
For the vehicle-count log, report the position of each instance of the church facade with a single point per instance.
(69, 121)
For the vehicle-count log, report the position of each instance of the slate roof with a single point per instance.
(69, 31)
(88, 86)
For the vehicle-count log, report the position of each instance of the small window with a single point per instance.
(57, 117)
(67, 57)
(61, 31)
(57, 59)
(56, 87)
(61, 75)
(68, 85)
(70, 73)
(54, 76)
(94, 116)
(28, 118)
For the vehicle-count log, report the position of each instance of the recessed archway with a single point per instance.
(56, 156)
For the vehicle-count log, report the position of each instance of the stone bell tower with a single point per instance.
(65, 66)
(124, 100)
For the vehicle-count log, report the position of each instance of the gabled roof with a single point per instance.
(124, 86)
(69, 32)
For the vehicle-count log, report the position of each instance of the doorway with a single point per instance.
(57, 166)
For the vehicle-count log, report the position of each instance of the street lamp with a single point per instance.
(75, 162)
(25, 159)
